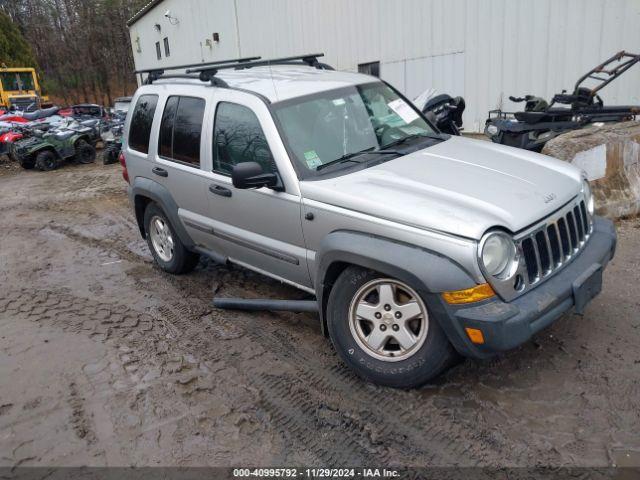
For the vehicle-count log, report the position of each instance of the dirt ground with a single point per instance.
(105, 360)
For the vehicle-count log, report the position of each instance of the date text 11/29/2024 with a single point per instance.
(337, 473)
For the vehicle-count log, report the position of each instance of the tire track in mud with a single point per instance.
(432, 439)
(98, 243)
(437, 443)
(295, 415)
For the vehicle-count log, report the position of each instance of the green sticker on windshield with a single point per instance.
(312, 159)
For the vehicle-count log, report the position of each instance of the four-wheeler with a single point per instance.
(9, 137)
(418, 246)
(540, 121)
(45, 150)
(112, 141)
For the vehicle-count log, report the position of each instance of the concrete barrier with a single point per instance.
(610, 154)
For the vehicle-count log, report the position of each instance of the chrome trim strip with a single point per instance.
(271, 275)
(549, 252)
(258, 248)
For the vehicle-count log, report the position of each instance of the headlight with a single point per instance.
(588, 197)
(498, 255)
(492, 130)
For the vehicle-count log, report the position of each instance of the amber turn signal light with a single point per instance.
(475, 335)
(470, 295)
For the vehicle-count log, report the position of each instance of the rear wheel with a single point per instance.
(167, 249)
(46, 161)
(381, 328)
(85, 153)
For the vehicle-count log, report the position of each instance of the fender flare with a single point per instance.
(144, 188)
(425, 270)
(50, 148)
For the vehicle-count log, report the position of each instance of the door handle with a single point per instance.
(161, 172)
(219, 190)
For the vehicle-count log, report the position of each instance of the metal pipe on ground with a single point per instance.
(255, 305)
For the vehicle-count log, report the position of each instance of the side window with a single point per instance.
(181, 129)
(141, 121)
(165, 140)
(237, 138)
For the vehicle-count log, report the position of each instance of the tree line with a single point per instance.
(81, 48)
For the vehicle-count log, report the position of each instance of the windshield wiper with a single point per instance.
(433, 136)
(349, 157)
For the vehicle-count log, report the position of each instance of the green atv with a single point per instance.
(47, 150)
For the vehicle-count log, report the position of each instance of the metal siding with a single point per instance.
(484, 50)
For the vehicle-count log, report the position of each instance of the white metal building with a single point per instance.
(484, 50)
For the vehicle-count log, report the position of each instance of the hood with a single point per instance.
(459, 186)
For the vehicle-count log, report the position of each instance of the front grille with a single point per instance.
(549, 247)
(22, 102)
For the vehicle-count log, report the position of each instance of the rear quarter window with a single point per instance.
(181, 130)
(141, 122)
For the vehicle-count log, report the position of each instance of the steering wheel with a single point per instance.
(385, 133)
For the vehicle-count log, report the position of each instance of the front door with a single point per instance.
(259, 228)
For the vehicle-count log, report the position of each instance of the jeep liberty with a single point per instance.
(418, 246)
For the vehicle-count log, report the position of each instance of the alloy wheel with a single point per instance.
(161, 238)
(388, 320)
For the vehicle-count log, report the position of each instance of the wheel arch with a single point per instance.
(45, 148)
(142, 192)
(407, 263)
(81, 138)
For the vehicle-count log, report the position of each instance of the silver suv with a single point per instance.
(418, 246)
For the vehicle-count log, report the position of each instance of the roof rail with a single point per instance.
(156, 73)
(310, 59)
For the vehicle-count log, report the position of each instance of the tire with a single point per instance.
(170, 255)
(85, 153)
(46, 161)
(27, 162)
(110, 156)
(390, 365)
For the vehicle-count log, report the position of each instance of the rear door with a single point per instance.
(178, 157)
(258, 228)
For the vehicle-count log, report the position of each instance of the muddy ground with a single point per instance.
(105, 360)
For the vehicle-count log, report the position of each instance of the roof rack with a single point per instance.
(156, 73)
(207, 73)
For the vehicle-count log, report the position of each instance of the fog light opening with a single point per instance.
(475, 335)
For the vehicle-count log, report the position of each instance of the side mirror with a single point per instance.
(251, 175)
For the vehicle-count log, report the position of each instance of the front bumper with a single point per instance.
(507, 325)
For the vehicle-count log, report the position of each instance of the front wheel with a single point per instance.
(46, 161)
(85, 153)
(381, 328)
(168, 251)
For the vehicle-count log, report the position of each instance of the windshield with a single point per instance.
(325, 127)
